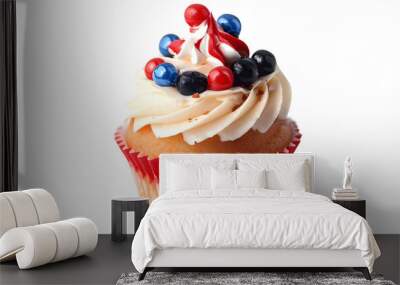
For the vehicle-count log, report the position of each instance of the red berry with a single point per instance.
(220, 78)
(151, 65)
(196, 14)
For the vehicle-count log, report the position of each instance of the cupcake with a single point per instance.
(206, 94)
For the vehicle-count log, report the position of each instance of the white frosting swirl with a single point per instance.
(228, 113)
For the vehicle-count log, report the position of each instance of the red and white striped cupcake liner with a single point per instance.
(145, 170)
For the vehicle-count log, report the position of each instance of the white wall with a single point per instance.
(78, 60)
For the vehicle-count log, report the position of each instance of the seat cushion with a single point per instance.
(27, 208)
(67, 239)
(45, 205)
(7, 220)
(24, 211)
(40, 244)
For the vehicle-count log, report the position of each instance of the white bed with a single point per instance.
(249, 227)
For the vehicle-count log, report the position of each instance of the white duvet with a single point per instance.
(253, 218)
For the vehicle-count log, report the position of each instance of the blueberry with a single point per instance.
(265, 60)
(191, 82)
(165, 74)
(245, 72)
(165, 42)
(230, 24)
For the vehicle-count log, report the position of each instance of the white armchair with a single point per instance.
(31, 230)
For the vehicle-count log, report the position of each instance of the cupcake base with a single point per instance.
(142, 148)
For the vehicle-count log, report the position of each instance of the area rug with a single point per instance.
(244, 278)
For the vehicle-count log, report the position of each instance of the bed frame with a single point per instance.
(246, 259)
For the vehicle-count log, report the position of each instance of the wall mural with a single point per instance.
(206, 94)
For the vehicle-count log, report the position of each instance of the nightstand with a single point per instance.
(119, 207)
(357, 206)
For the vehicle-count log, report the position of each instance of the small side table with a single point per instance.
(119, 207)
(357, 206)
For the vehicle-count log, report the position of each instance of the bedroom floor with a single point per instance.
(110, 260)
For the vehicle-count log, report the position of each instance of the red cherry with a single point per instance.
(151, 65)
(196, 14)
(220, 78)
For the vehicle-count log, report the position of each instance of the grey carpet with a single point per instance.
(243, 278)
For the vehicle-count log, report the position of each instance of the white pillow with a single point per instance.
(227, 179)
(181, 177)
(291, 175)
(291, 178)
(187, 175)
(223, 179)
(251, 178)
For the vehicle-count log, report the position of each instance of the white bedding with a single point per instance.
(252, 218)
